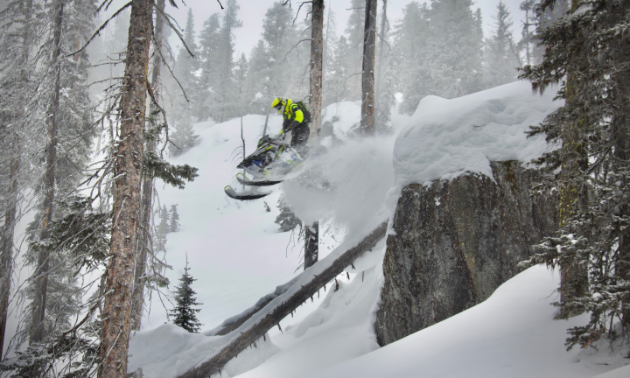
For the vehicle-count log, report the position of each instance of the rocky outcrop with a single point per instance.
(455, 242)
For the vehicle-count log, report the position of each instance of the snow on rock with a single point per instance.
(445, 138)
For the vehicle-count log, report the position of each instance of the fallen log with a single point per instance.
(246, 334)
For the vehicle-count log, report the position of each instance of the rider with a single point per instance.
(294, 120)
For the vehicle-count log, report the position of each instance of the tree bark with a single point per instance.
(246, 336)
(6, 261)
(574, 278)
(37, 331)
(311, 245)
(367, 80)
(311, 235)
(126, 208)
(317, 56)
(144, 240)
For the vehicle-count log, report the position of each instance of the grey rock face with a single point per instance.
(455, 243)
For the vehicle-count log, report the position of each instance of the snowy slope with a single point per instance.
(237, 255)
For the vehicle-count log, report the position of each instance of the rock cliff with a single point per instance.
(455, 242)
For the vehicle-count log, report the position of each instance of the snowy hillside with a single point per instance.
(238, 255)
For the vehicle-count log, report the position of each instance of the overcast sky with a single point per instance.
(252, 13)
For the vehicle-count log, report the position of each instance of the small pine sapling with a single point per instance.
(174, 226)
(185, 300)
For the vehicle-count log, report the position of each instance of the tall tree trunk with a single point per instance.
(367, 79)
(6, 260)
(311, 233)
(381, 54)
(126, 209)
(144, 240)
(37, 331)
(573, 199)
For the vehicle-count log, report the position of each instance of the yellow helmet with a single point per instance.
(277, 103)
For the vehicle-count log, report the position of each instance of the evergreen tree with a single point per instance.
(174, 224)
(183, 138)
(163, 229)
(185, 68)
(500, 54)
(337, 72)
(184, 312)
(411, 43)
(226, 89)
(258, 79)
(445, 43)
(353, 59)
(527, 42)
(209, 54)
(278, 34)
(240, 83)
(591, 168)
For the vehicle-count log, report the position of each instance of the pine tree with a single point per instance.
(183, 138)
(410, 46)
(185, 68)
(208, 55)
(500, 54)
(447, 41)
(226, 86)
(355, 30)
(590, 170)
(184, 312)
(163, 229)
(174, 223)
(116, 310)
(527, 41)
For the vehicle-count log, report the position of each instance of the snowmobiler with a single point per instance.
(274, 160)
(296, 119)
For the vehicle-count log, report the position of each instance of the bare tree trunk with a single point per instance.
(6, 260)
(311, 234)
(311, 245)
(37, 331)
(126, 209)
(144, 241)
(381, 53)
(248, 335)
(367, 80)
(317, 56)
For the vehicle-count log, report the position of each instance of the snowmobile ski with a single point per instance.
(244, 180)
(244, 196)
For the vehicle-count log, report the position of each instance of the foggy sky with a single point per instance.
(252, 13)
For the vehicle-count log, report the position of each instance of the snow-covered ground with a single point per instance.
(237, 254)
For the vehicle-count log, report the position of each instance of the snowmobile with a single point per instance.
(273, 162)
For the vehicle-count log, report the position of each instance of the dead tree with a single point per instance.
(282, 305)
(126, 207)
(144, 241)
(311, 233)
(37, 331)
(367, 79)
